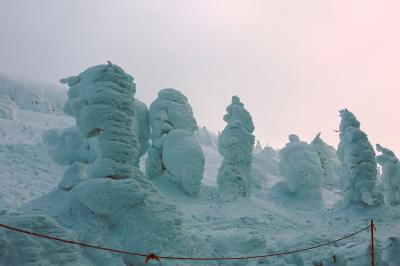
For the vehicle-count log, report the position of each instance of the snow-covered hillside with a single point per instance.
(271, 219)
(27, 171)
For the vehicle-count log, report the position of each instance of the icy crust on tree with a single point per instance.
(235, 144)
(329, 161)
(33, 96)
(301, 168)
(7, 107)
(184, 160)
(143, 128)
(101, 100)
(171, 110)
(67, 146)
(358, 169)
(174, 152)
(390, 174)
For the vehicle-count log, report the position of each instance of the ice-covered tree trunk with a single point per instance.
(391, 174)
(235, 144)
(358, 170)
(101, 100)
(174, 152)
(301, 168)
(329, 161)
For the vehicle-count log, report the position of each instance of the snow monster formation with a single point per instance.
(101, 100)
(301, 168)
(329, 161)
(235, 144)
(174, 153)
(358, 169)
(390, 174)
(105, 200)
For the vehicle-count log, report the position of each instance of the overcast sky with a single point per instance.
(294, 64)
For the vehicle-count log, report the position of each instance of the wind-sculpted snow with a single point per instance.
(174, 152)
(101, 100)
(329, 161)
(390, 173)
(301, 168)
(358, 170)
(235, 144)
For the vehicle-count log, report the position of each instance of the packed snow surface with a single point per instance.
(49, 192)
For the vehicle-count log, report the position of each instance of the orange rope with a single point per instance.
(152, 256)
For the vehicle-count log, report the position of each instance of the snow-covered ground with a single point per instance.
(27, 171)
(269, 221)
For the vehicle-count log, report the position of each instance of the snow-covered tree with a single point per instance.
(206, 138)
(174, 152)
(329, 161)
(235, 144)
(358, 170)
(301, 168)
(258, 148)
(101, 100)
(7, 107)
(391, 174)
(143, 128)
(33, 96)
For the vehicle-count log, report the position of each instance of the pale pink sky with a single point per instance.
(293, 63)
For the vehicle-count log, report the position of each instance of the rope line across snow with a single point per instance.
(152, 256)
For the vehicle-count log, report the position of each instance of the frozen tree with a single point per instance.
(7, 107)
(301, 168)
(143, 128)
(205, 137)
(328, 158)
(174, 152)
(258, 148)
(391, 174)
(358, 170)
(33, 96)
(101, 100)
(235, 144)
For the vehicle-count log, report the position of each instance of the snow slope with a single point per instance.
(266, 222)
(27, 171)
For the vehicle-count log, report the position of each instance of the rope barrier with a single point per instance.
(152, 256)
